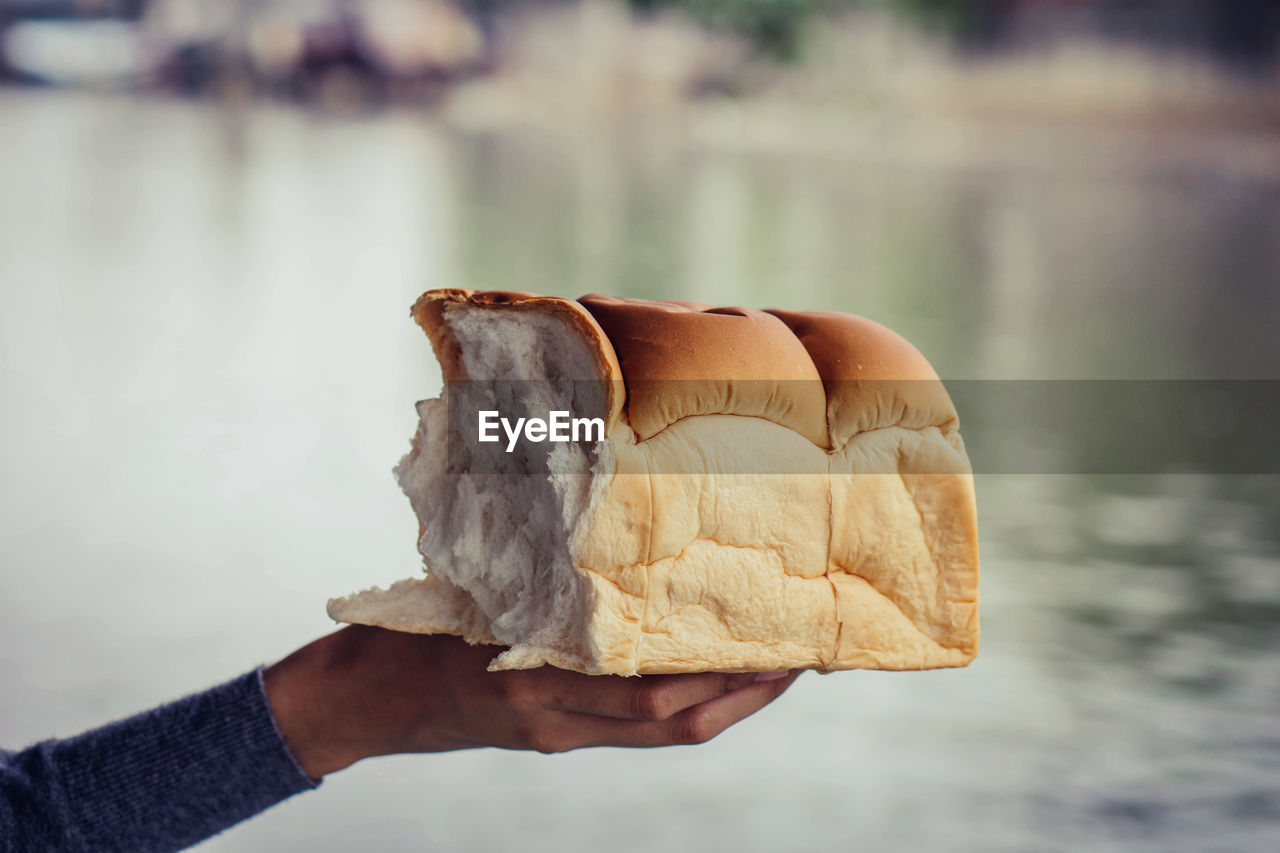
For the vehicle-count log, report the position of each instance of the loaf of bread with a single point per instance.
(772, 490)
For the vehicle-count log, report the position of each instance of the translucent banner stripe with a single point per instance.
(1120, 427)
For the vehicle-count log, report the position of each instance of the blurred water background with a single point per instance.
(213, 221)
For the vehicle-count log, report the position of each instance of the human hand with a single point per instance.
(362, 691)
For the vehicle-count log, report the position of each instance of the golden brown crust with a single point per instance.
(681, 359)
(874, 377)
(848, 347)
(430, 308)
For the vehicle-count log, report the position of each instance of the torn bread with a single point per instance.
(773, 490)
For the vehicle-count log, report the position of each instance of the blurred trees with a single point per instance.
(1242, 33)
(774, 27)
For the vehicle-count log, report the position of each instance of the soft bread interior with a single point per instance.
(495, 531)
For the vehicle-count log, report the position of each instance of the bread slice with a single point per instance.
(773, 490)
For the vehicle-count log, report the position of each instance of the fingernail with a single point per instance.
(771, 676)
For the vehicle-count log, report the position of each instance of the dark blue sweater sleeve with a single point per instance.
(161, 780)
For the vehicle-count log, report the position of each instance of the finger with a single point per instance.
(649, 697)
(696, 724)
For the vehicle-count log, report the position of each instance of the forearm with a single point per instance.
(161, 780)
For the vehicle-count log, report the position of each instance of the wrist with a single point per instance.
(310, 697)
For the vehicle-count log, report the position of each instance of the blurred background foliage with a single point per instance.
(187, 43)
(772, 26)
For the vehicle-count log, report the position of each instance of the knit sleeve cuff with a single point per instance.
(170, 777)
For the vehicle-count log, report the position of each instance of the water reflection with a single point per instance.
(208, 370)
